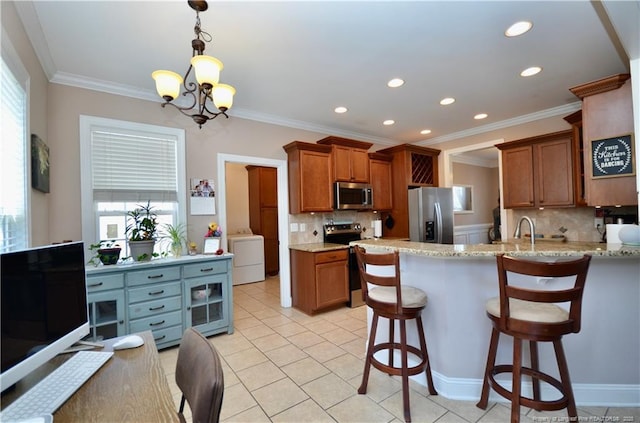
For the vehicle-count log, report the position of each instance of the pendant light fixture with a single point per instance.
(206, 89)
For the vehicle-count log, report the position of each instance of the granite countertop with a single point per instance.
(512, 247)
(317, 247)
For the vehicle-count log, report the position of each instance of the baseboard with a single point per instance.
(593, 395)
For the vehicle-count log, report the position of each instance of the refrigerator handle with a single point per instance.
(438, 213)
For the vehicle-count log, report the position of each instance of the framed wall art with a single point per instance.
(611, 157)
(39, 164)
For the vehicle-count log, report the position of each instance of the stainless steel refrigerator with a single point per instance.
(431, 215)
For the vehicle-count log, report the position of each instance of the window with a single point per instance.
(14, 221)
(462, 198)
(125, 165)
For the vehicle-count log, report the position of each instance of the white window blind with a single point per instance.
(13, 163)
(129, 166)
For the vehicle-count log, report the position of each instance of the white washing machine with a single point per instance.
(248, 257)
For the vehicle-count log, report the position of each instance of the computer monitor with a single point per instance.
(44, 306)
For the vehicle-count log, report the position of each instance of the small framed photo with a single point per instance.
(211, 245)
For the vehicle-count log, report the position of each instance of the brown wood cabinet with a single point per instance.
(575, 120)
(538, 171)
(381, 180)
(319, 280)
(410, 166)
(350, 159)
(607, 111)
(310, 177)
(263, 213)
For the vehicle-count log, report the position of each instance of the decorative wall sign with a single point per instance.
(611, 157)
(39, 164)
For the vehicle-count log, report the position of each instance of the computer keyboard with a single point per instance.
(52, 391)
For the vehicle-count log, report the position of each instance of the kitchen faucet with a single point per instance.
(516, 235)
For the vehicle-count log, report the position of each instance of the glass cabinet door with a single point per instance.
(106, 315)
(205, 302)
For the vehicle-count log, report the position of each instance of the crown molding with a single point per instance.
(600, 86)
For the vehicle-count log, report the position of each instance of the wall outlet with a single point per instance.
(303, 227)
(598, 222)
(293, 227)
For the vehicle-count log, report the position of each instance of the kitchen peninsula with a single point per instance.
(604, 358)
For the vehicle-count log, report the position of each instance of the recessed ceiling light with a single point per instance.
(533, 70)
(518, 28)
(448, 100)
(480, 116)
(425, 131)
(395, 83)
(340, 109)
(389, 122)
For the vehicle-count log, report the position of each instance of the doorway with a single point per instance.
(283, 207)
(480, 152)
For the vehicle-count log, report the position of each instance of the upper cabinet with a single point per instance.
(350, 159)
(538, 171)
(381, 180)
(410, 166)
(310, 177)
(575, 120)
(607, 130)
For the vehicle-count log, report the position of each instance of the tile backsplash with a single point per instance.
(310, 226)
(578, 221)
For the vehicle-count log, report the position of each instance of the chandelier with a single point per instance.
(207, 90)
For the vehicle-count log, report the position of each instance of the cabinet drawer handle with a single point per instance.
(156, 323)
(94, 285)
(155, 276)
(157, 292)
(156, 308)
(208, 269)
(160, 338)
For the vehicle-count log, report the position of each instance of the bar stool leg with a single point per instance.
(533, 349)
(367, 362)
(405, 371)
(564, 378)
(517, 380)
(423, 347)
(491, 361)
(392, 339)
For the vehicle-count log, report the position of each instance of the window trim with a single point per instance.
(89, 213)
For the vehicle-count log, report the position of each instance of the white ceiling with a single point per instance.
(293, 62)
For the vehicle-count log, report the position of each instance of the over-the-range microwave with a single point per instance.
(352, 196)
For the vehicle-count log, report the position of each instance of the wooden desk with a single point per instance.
(130, 387)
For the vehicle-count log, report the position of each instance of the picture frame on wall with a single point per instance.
(202, 196)
(39, 164)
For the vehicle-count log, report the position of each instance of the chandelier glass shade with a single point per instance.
(206, 89)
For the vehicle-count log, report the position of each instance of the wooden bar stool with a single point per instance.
(388, 299)
(529, 314)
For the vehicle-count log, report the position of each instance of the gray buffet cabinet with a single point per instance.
(165, 296)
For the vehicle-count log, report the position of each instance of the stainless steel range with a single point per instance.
(344, 233)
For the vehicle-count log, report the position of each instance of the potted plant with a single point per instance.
(107, 252)
(176, 236)
(141, 232)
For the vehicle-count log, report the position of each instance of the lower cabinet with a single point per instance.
(164, 296)
(319, 280)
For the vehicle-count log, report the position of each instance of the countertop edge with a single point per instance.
(567, 249)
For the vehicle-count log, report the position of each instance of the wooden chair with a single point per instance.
(388, 299)
(199, 376)
(528, 314)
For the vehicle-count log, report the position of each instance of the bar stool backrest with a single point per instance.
(573, 268)
(379, 269)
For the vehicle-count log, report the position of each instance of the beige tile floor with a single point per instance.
(282, 365)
